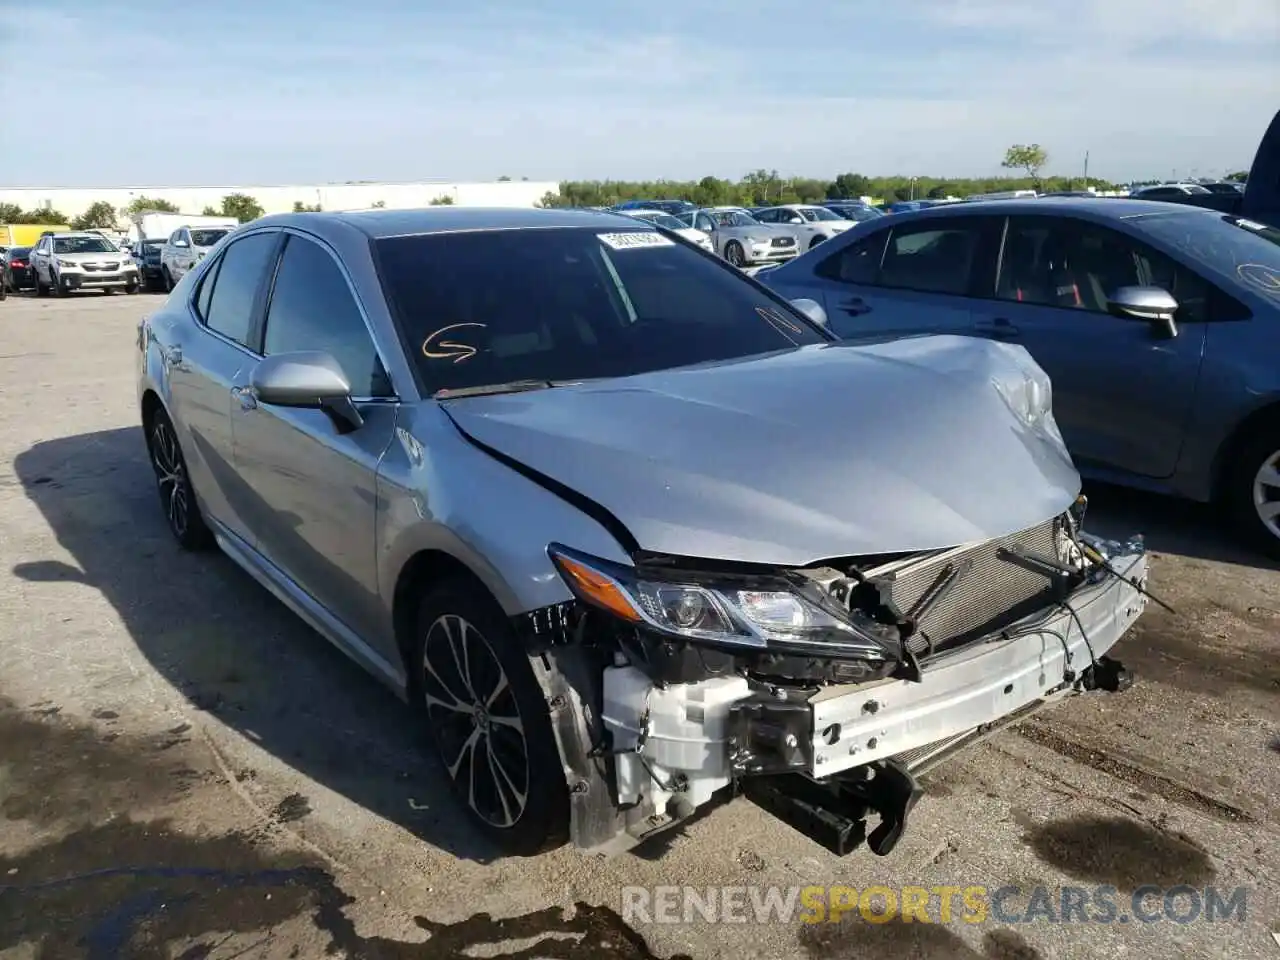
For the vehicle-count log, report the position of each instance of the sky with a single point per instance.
(227, 92)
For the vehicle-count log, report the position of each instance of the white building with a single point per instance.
(73, 201)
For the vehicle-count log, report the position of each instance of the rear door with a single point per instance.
(908, 278)
(316, 489)
(205, 359)
(1122, 392)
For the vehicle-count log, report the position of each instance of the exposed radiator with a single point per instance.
(987, 591)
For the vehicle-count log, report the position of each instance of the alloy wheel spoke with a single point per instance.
(466, 753)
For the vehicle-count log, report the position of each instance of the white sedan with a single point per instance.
(808, 223)
(668, 222)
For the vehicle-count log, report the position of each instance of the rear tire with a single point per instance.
(501, 759)
(173, 483)
(1252, 491)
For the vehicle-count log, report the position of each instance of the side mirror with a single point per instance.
(1153, 305)
(811, 309)
(307, 379)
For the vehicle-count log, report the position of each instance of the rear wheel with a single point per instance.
(173, 483)
(488, 719)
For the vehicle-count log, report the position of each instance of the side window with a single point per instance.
(932, 256)
(205, 293)
(767, 216)
(1058, 262)
(857, 262)
(173, 237)
(312, 308)
(230, 304)
(704, 223)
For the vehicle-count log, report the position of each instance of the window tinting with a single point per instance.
(566, 304)
(230, 305)
(312, 308)
(857, 262)
(932, 256)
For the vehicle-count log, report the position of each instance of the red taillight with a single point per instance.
(17, 263)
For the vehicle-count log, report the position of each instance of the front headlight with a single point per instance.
(760, 613)
(65, 264)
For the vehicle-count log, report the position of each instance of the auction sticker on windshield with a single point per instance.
(634, 239)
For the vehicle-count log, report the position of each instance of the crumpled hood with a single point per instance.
(828, 451)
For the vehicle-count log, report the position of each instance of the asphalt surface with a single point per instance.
(186, 771)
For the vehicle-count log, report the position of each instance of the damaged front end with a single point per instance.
(820, 693)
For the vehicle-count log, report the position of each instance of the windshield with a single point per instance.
(152, 244)
(817, 213)
(733, 218)
(82, 245)
(492, 307)
(860, 214)
(207, 238)
(1248, 251)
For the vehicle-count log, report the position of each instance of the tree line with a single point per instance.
(757, 189)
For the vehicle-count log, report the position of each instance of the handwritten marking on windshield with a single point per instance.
(779, 320)
(433, 348)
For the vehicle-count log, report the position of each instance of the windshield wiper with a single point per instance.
(488, 389)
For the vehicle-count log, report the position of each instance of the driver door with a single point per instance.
(317, 488)
(1122, 392)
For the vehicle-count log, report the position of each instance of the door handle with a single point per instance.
(855, 306)
(999, 328)
(248, 399)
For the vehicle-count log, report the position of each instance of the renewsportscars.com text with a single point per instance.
(939, 904)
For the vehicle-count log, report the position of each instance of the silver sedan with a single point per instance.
(556, 479)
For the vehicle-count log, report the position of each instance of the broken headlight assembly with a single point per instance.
(749, 612)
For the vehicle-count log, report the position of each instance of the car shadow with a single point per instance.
(1169, 525)
(229, 646)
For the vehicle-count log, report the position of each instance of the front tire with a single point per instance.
(488, 719)
(41, 289)
(1252, 492)
(168, 280)
(734, 253)
(173, 483)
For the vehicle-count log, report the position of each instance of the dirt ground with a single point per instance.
(186, 771)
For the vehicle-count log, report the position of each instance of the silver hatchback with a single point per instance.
(570, 488)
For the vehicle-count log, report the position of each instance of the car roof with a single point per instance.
(66, 234)
(380, 224)
(1094, 208)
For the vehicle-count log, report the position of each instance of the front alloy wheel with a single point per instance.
(173, 483)
(734, 253)
(488, 719)
(476, 720)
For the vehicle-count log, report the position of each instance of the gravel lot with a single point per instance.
(187, 771)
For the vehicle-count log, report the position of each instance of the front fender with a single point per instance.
(439, 492)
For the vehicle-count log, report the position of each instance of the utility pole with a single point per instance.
(1086, 169)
